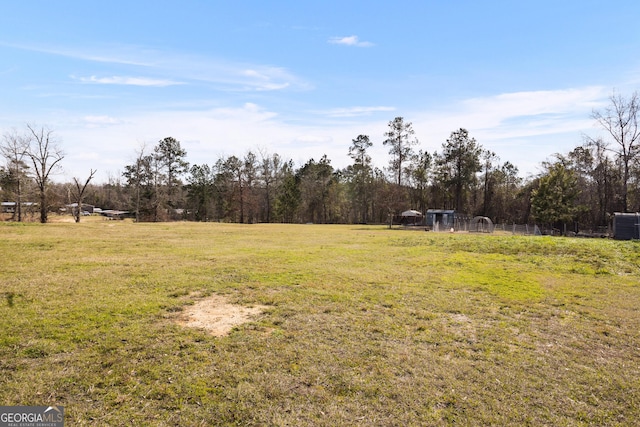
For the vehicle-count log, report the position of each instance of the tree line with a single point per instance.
(581, 188)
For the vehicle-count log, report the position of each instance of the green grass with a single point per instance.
(365, 326)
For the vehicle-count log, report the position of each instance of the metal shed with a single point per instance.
(441, 218)
(626, 226)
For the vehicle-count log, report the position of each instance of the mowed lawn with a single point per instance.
(364, 326)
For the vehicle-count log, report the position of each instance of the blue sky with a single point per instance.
(303, 79)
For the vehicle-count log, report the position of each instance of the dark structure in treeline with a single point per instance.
(626, 226)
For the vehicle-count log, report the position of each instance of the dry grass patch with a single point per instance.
(217, 316)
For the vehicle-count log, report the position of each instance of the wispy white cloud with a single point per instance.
(125, 55)
(128, 81)
(356, 111)
(207, 135)
(533, 103)
(518, 113)
(266, 79)
(97, 121)
(228, 75)
(175, 68)
(350, 41)
(522, 127)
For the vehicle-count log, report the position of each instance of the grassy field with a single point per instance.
(364, 326)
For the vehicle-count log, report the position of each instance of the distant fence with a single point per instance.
(478, 226)
(522, 229)
(461, 223)
(475, 227)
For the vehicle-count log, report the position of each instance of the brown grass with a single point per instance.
(216, 316)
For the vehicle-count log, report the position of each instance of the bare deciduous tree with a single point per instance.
(78, 194)
(620, 120)
(46, 155)
(14, 149)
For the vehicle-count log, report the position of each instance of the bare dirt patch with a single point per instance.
(217, 316)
